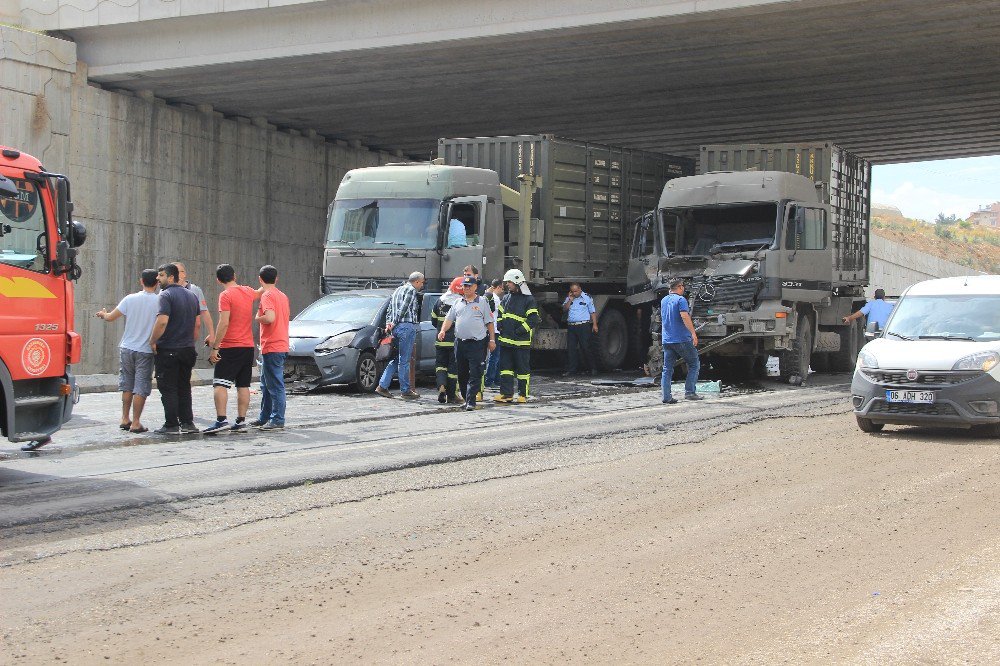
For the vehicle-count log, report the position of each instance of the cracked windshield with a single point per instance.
(702, 231)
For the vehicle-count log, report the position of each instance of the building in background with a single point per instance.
(988, 216)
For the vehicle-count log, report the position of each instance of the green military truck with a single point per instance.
(773, 243)
(577, 199)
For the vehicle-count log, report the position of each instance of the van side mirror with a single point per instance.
(872, 331)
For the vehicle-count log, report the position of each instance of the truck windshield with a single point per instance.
(974, 318)
(22, 228)
(715, 229)
(384, 223)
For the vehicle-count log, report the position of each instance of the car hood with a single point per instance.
(304, 334)
(895, 354)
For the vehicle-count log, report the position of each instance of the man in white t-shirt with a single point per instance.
(135, 373)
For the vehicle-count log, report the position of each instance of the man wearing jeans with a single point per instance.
(172, 342)
(401, 321)
(273, 319)
(679, 342)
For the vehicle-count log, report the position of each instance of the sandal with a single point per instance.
(139, 431)
(125, 426)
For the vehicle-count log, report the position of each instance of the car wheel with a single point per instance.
(367, 373)
(866, 425)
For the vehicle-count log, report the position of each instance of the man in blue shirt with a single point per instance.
(581, 320)
(457, 235)
(679, 342)
(876, 310)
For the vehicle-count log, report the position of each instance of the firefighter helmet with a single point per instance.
(515, 276)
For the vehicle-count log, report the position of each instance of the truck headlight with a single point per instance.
(335, 342)
(984, 361)
(867, 360)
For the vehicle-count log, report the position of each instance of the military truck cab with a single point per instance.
(389, 221)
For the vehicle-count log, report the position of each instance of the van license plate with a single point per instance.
(919, 397)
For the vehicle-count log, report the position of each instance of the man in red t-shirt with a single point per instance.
(232, 354)
(273, 318)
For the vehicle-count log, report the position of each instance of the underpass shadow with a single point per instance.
(37, 508)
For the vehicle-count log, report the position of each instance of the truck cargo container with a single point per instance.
(773, 243)
(578, 199)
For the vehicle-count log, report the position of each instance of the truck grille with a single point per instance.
(936, 378)
(941, 409)
(724, 292)
(332, 284)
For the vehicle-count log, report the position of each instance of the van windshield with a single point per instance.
(975, 318)
(384, 223)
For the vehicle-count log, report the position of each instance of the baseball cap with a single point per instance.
(470, 279)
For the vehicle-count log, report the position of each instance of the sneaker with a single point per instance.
(670, 401)
(410, 395)
(693, 396)
(167, 430)
(239, 426)
(271, 425)
(470, 408)
(385, 393)
(216, 427)
(521, 399)
(442, 395)
(189, 428)
(256, 423)
(504, 399)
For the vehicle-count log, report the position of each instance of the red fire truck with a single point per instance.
(38, 251)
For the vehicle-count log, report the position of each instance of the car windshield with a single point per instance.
(384, 223)
(710, 230)
(975, 317)
(345, 308)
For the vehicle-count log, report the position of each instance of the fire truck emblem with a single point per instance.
(35, 356)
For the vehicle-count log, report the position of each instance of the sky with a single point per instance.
(921, 190)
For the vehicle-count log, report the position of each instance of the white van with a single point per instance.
(937, 363)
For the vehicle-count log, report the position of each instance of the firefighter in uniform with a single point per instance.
(518, 317)
(446, 367)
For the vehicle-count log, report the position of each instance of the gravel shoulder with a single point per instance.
(786, 539)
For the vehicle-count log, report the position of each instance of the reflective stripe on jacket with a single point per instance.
(518, 318)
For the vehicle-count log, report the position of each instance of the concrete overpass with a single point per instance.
(894, 80)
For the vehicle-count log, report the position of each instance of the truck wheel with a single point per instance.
(852, 339)
(866, 425)
(612, 339)
(793, 364)
(367, 373)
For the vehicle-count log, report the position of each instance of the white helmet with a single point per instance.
(515, 276)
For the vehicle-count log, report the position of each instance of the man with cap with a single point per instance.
(518, 319)
(474, 335)
(877, 310)
(401, 320)
(445, 365)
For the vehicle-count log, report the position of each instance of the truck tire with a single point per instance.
(866, 425)
(793, 364)
(851, 340)
(612, 339)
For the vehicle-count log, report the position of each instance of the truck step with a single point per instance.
(36, 400)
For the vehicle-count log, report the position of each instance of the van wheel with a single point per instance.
(866, 425)
(367, 373)
(612, 339)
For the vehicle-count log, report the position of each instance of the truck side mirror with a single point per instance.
(7, 187)
(78, 233)
(800, 221)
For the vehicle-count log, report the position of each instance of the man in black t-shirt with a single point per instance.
(172, 341)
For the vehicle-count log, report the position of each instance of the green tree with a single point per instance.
(945, 220)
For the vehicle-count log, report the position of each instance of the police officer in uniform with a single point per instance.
(518, 319)
(581, 324)
(445, 366)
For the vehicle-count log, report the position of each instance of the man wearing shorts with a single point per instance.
(135, 371)
(233, 353)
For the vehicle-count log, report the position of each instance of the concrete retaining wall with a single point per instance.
(154, 182)
(895, 267)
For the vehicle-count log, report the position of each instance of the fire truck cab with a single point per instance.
(38, 252)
